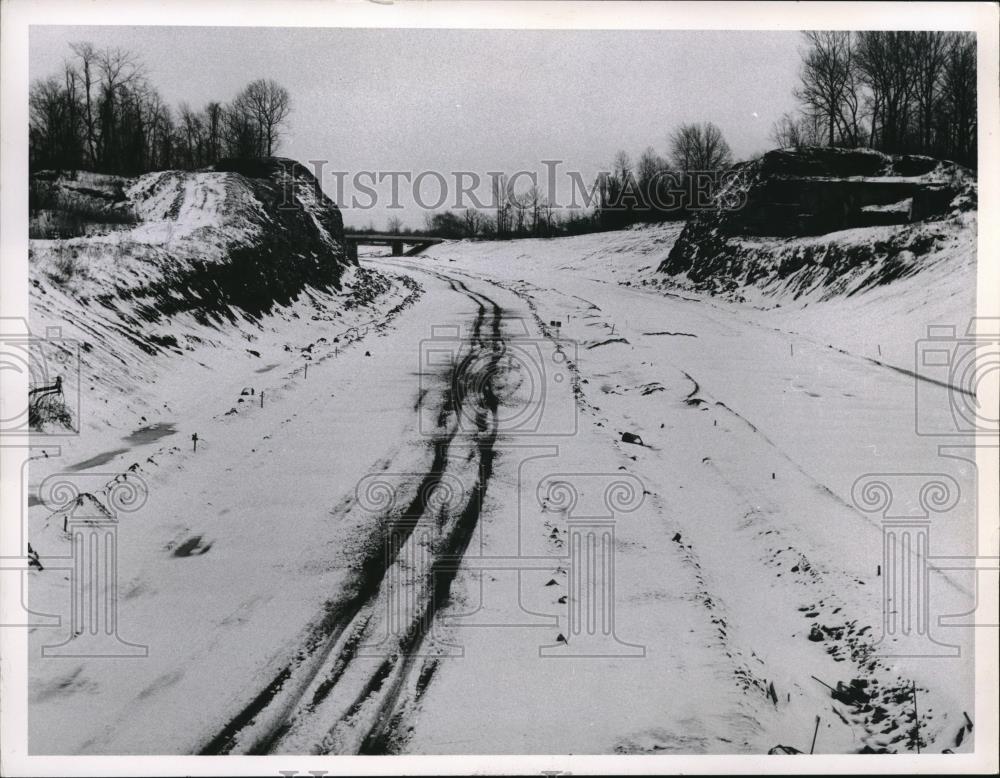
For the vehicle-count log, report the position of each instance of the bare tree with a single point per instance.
(649, 165)
(545, 217)
(394, 225)
(213, 131)
(269, 104)
(87, 56)
(101, 113)
(850, 117)
(473, 222)
(958, 106)
(47, 112)
(533, 202)
(71, 131)
(501, 201)
(826, 76)
(190, 126)
(621, 167)
(699, 147)
(929, 55)
(119, 69)
(785, 132)
(159, 131)
(885, 62)
(899, 92)
(648, 171)
(240, 130)
(791, 131)
(519, 205)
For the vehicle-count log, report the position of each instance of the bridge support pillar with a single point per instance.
(397, 248)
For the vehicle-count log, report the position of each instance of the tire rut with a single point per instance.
(287, 709)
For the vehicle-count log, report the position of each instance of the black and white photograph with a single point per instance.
(512, 388)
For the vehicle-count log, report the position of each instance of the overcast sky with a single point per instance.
(479, 100)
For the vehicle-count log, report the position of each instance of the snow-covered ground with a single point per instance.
(549, 587)
(883, 323)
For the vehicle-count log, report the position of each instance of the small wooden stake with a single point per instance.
(823, 682)
(261, 398)
(194, 441)
(813, 746)
(306, 375)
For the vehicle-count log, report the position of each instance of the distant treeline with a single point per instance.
(898, 92)
(656, 188)
(101, 113)
(662, 188)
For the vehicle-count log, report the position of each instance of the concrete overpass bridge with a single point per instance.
(402, 245)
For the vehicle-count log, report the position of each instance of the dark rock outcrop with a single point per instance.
(243, 237)
(811, 191)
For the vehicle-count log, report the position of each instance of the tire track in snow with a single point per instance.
(325, 668)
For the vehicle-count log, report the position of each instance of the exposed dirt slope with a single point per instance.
(243, 237)
(826, 222)
(149, 276)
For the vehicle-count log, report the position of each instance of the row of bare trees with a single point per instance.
(525, 213)
(654, 188)
(899, 92)
(102, 113)
(509, 221)
(658, 188)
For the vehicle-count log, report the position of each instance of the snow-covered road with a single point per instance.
(439, 542)
(747, 539)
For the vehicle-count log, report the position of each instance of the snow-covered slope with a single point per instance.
(819, 223)
(198, 242)
(871, 291)
(167, 263)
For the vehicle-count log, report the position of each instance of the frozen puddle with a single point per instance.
(142, 435)
(100, 459)
(151, 433)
